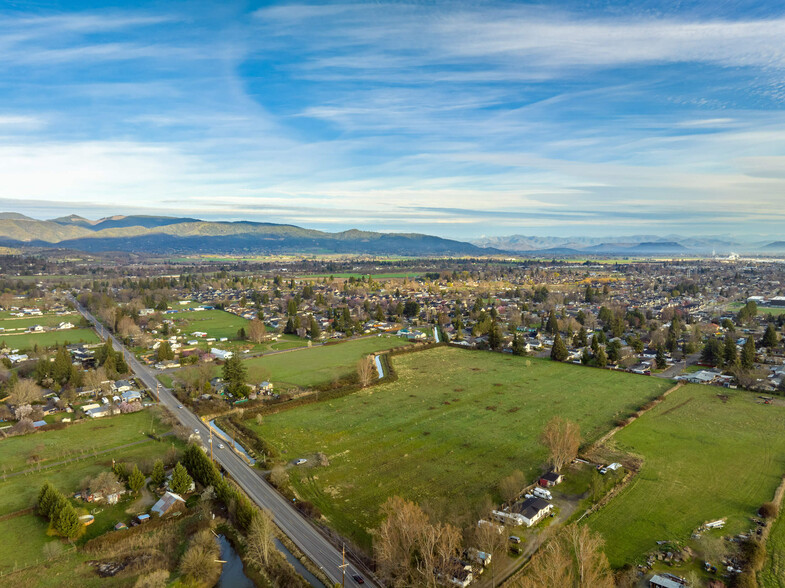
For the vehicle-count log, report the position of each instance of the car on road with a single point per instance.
(358, 578)
(196, 431)
(300, 461)
(180, 406)
(220, 446)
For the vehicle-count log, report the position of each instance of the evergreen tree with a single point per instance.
(47, 498)
(136, 480)
(600, 358)
(770, 337)
(181, 481)
(495, 338)
(585, 357)
(158, 476)
(235, 376)
(121, 365)
(559, 349)
(748, 354)
(66, 521)
(289, 328)
(518, 347)
(595, 344)
(660, 357)
(165, 351)
(61, 368)
(553, 325)
(729, 353)
(712, 352)
(315, 331)
(614, 351)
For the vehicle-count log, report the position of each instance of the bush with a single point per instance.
(768, 510)
(308, 509)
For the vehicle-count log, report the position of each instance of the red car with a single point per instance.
(358, 578)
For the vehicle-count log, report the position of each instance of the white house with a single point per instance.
(532, 510)
(220, 353)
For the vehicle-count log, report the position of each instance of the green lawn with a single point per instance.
(319, 364)
(703, 460)
(216, 323)
(48, 320)
(453, 424)
(773, 310)
(22, 538)
(27, 341)
(79, 438)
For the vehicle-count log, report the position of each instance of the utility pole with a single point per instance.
(343, 566)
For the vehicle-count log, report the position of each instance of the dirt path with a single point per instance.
(146, 498)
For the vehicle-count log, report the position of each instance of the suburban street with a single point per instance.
(316, 547)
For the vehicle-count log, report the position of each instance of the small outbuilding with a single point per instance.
(169, 503)
(551, 479)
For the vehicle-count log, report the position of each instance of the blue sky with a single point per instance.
(459, 118)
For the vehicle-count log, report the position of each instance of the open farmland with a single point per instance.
(318, 364)
(23, 534)
(453, 424)
(17, 323)
(703, 459)
(76, 440)
(216, 323)
(27, 341)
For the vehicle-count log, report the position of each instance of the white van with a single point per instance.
(542, 493)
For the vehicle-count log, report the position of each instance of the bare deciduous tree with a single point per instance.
(365, 370)
(410, 549)
(562, 438)
(511, 486)
(572, 558)
(257, 332)
(396, 539)
(25, 391)
(260, 539)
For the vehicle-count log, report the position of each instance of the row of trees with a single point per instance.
(53, 505)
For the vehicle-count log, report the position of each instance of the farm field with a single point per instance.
(79, 438)
(47, 320)
(27, 341)
(318, 364)
(703, 459)
(772, 310)
(23, 537)
(216, 323)
(453, 424)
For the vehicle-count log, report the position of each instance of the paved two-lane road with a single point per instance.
(320, 551)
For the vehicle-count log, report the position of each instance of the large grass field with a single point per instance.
(77, 439)
(772, 310)
(28, 341)
(22, 538)
(216, 323)
(318, 364)
(703, 459)
(453, 424)
(48, 320)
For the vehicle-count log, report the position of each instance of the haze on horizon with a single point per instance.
(458, 119)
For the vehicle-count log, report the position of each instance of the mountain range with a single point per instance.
(167, 235)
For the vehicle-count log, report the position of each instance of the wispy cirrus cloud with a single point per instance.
(393, 116)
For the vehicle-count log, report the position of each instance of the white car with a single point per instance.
(300, 461)
(220, 446)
